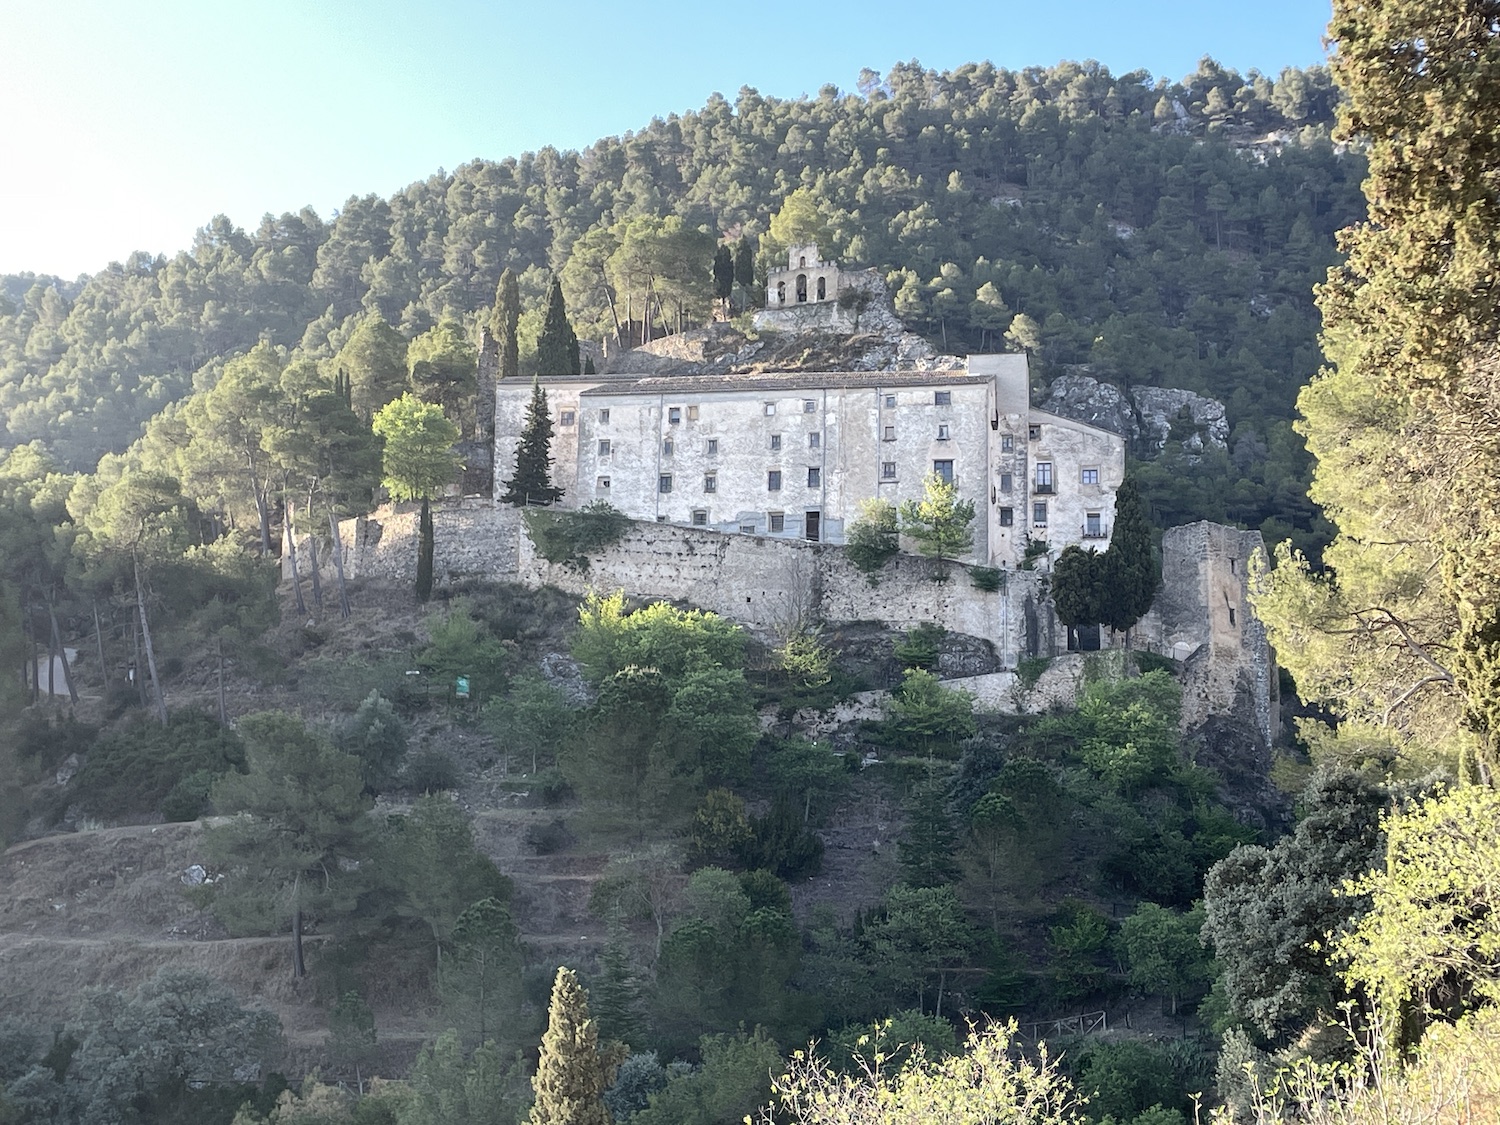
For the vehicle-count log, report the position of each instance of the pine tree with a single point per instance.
(504, 317)
(557, 346)
(1131, 570)
(532, 483)
(571, 1077)
(616, 992)
(928, 847)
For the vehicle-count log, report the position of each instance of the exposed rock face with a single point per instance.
(859, 332)
(1148, 417)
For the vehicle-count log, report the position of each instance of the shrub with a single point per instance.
(990, 579)
(377, 737)
(431, 771)
(551, 786)
(782, 844)
(720, 830)
(873, 538)
(461, 646)
(130, 773)
(569, 537)
(549, 838)
(919, 648)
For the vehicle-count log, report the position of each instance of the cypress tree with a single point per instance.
(1131, 570)
(532, 482)
(744, 265)
(723, 274)
(1078, 591)
(425, 546)
(571, 1077)
(588, 365)
(504, 317)
(557, 346)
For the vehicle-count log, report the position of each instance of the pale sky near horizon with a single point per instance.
(126, 126)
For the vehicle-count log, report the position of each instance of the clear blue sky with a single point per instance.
(126, 125)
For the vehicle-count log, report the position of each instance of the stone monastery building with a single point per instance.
(793, 454)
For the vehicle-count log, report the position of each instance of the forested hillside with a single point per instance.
(1163, 233)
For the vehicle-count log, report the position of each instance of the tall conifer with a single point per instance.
(504, 318)
(532, 482)
(1132, 572)
(571, 1077)
(557, 346)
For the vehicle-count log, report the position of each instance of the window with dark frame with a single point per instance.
(887, 470)
(1034, 432)
(1007, 482)
(604, 415)
(888, 434)
(667, 447)
(568, 417)
(1044, 476)
(712, 446)
(700, 518)
(942, 398)
(1088, 476)
(814, 440)
(773, 481)
(809, 406)
(1007, 443)
(674, 415)
(775, 442)
(814, 477)
(710, 482)
(944, 469)
(1039, 514)
(664, 483)
(604, 447)
(943, 432)
(776, 521)
(1007, 517)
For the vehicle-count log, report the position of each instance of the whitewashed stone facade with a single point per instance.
(807, 280)
(792, 455)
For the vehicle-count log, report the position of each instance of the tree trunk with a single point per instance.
(139, 671)
(425, 550)
(263, 512)
(223, 710)
(338, 564)
(937, 1011)
(299, 967)
(317, 583)
(140, 604)
(62, 653)
(99, 641)
(289, 551)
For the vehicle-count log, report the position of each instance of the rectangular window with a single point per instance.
(604, 415)
(887, 470)
(776, 521)
(889, 434)
(674, 415)
(1044, 476)
(809, 406)
(712, 447)
(692, 413)
(568, 417)
(604, 482)
(664, 483)
(1093, 525)
(943, 432)
(775, 442)
(700, 518)
(747, 529)
(604, 447)
(1088, 476)
(1007, 517)
(1039, 514)
(890, 402)
(710, 482)
(770, 408)
(942, 398)
(1007, 482)
(1231, 616)
(1034, 432)
(944, 469)
(1007, 443)
(773, 481)
(814, 440)
(667, 448)
(814, 477)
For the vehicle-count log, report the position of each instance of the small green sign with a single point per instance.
(461, 687)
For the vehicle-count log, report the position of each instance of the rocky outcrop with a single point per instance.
(858, 332)
(1148, 417)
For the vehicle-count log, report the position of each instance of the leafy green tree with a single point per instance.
(449, 1087)
(571, 1075)
(557, 346)
(733, 1080)
(352, 1039)
(873, 537)
(1161, 951)
(481, 982)
(923, 935)
(928, 716)
(374, 360)
(799, 221)
(809, 771)
(1268, 911)
(442, 367)
(1080, 591)
(533, 717)
(1075, 944)
(987, 1081)
(532, 482)
(1131, 570)
(1429, 947)
(436, 870)
(941, 524)
(419, 456)
(296, 850)
(376, 736)
(720, 828)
